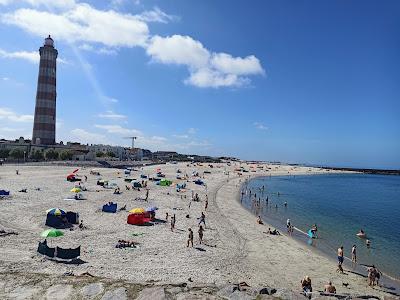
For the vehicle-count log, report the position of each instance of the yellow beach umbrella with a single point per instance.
(137, 210)
(75, 190)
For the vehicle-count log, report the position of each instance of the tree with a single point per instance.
(37, 155)
(51, 154)
(4, 153)
(66, 155)
(99, 154)
(17, 154)
(110, 154)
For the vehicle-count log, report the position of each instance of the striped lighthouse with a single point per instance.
(44, 124)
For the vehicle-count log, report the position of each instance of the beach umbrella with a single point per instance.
(76, 190)
(151, 208)
(55, 212)
(51, 233)
(137, 210)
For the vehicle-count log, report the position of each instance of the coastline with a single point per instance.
(302, 237)
(235, 248)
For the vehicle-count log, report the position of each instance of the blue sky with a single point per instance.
(295, 81)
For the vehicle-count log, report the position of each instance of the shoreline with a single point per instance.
(302, 239)
(235, 248)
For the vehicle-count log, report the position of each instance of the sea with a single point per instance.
(340, 205)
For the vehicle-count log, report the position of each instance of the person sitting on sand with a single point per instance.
(275, 232)
(259, 221)
(306, 285)
(190, 238)
(330, 288)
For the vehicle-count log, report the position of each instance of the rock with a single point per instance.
(92, 290)
(59, 292)
(23, 292)
(288, 294)
(154, 293)
(117, 294)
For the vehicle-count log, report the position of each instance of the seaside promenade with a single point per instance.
(235, 247)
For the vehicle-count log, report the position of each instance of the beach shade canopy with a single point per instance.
(51, 233)
(56, 212)
(137, 210)
(151, 208)
(76, 190)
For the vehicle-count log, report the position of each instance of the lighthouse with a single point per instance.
(44, 124)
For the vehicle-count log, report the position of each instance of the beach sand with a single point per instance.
(235, 248)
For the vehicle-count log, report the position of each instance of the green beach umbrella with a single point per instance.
(51, 233)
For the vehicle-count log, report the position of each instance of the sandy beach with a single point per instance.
(235, 248)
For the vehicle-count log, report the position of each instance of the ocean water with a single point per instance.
(340, 205)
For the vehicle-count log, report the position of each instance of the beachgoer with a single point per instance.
(372, 275)
(202, 219)
(354, 255)
(368, 242)
(330, 288)
(147, 194)
(85, 178)
(206, 204)
(17, 171)
(340, 259)
(259, 221)
(201, 230)
(173, 222)
(288, 223)
(285, 204)
(190, 237)
(306, 285)
(166, 217)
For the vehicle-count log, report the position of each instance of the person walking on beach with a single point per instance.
(201, 230)
(354, 255)
(147, 195)
(340, 259)
(202, 219)
(190, 238)
(173, 219)
(206, 205)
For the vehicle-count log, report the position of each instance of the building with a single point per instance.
(44, 125)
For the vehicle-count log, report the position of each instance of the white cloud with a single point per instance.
(111, 115)
(63, 4)
(117, 129)
(192, 130)
(5, 78)
(260, 126)
(32, 57)
(181, 136)
(156, 15)
(206, 69)
(9, 115)
(86, 137)
(82, 23)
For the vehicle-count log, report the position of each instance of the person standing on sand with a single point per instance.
(354, 255)
(201, 230)
(340, 259)
(173, 219)
(147, 195)
(202, 219)
(190, 238)
(206, 204)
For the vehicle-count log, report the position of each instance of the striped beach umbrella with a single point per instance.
(55, 212)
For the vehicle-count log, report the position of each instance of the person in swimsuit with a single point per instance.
(330, 288)
(202, 219)
(354, 255)
(306, 285)
(201, 230)
(340, 259)
(190, 237)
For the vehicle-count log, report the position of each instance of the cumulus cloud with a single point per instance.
(206, 69)
(32, 57)
(105, 31)
(63, 4)
(10, 115)
(260, 126)
(181, 136)
(82, 23)
(111, 115)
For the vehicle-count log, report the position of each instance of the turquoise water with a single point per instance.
(340, 205)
